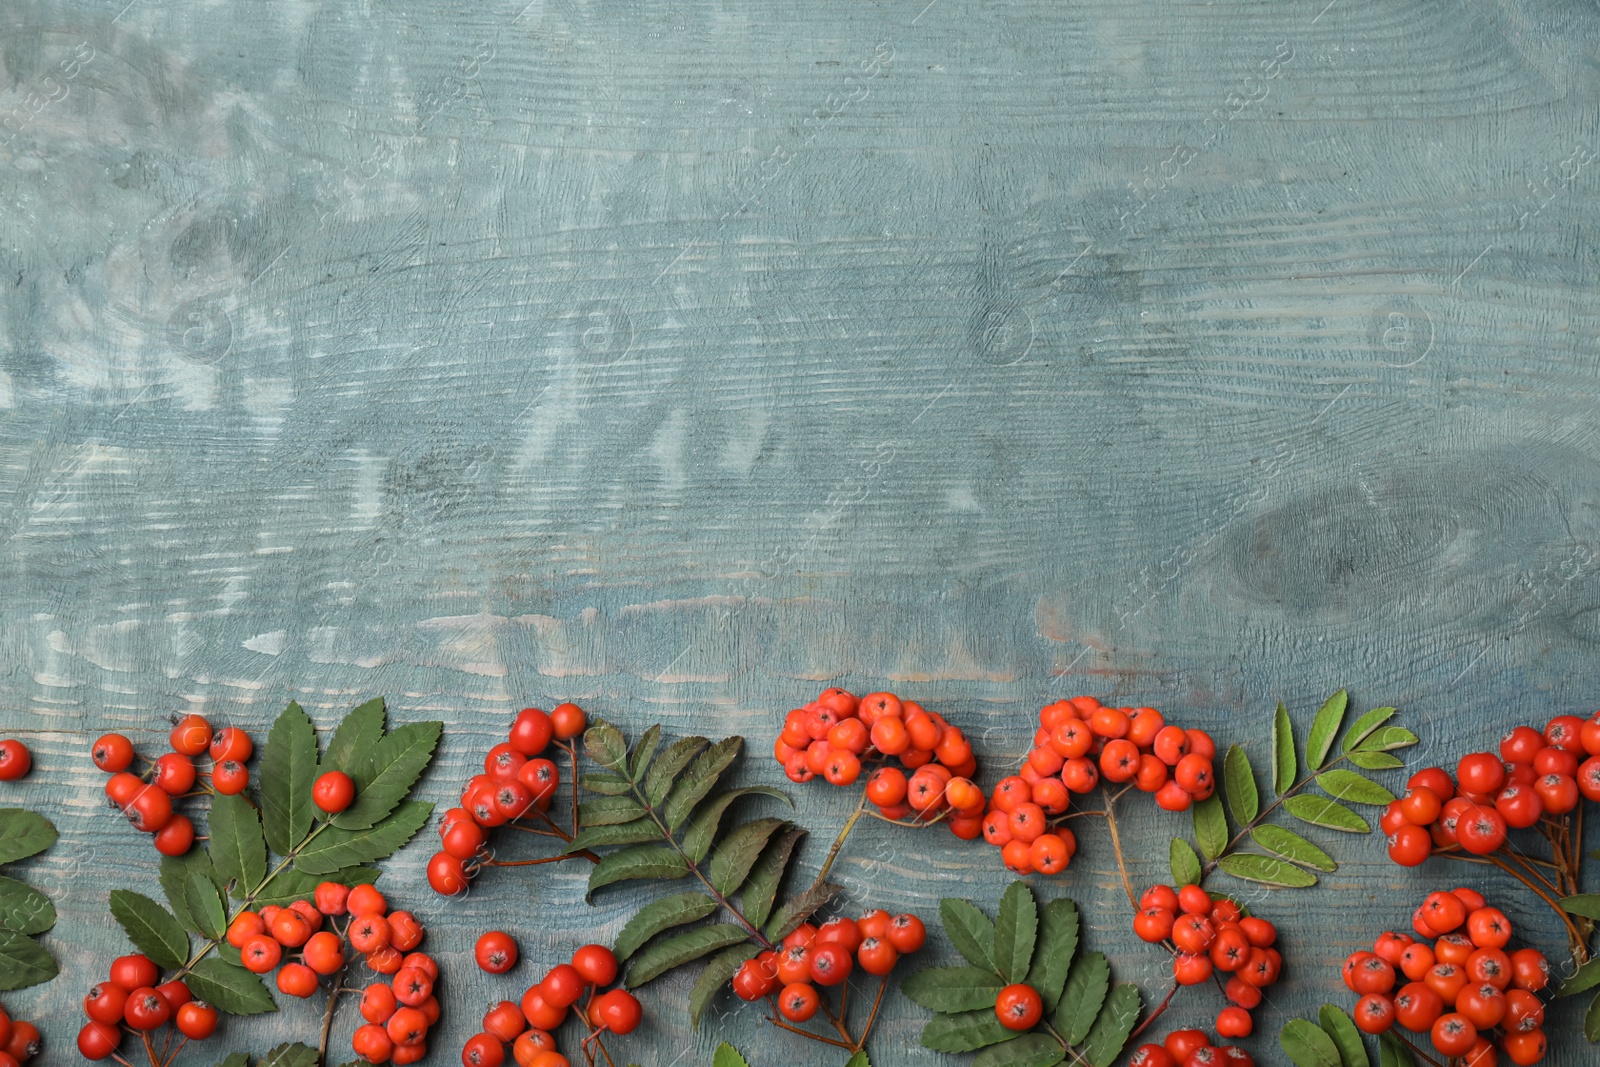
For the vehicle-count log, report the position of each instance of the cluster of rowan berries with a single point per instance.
(825, 955)
(1081, 741)
(15, 760)
(1460, 988)
(147, 800)
(516, 779)
(526, 1027)
(1209, 936)
(133, 996)
(1190, 1048)
(19, 1040)
(1532, 775)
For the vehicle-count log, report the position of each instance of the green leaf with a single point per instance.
(290, 885)
(288, 771)
(610, 811)
(798, 909)
(229, 988)
(1585, 904)
(1307, 1045)
(611, 785)
(605, 745)
(1268, 870)
(1210, 826)
(337, 847)
(1587, 977)
(644, 752)
(1591, 1021)
(237, 848)
(679, 949)
(292, 1054)
(22, 962)
(1284, 768)
(761, 888)
(1324, 728)
(728, 1056)
(239, 1059)
(1184, 863)
(1388, 738)
(965, 1031)
(1110, 1032)
(23, 833)
(970, 931)
(358, 734)
(1346, 1038)
(1024, 1050)
(1058, 943)
(1291, 846)
(699, 780)
(628, 833)
(858, 1060)
(664, 772)
(659, 915)
(1376, 761)
(175, 870)
(152, 929)
(1320, 811)
(1239, 785)
(737, 853)
(1087, 985)
(950, 989)
(384, 779)
(1391, 1053)
(1015, 928)
(1356, 788)
(23, 909)
(203, 904)
(639, 861)
(716, 975)
(1363, 727)
(702, 828)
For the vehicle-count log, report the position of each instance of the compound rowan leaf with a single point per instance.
(1306, 1044)
(738, 851)
(1358, 789)
(644, 750)
(1387, 739)
(1105, 1040)
(1267, 870)
(1081, 1000)
(702, 827)
(609, 811)
(950, 989)
(229, 988)
(717, 973)
(1329, 814)
(291, 1054)
(1586, 977)
(663, 773)
(23, 909)
(357, 735)
(288, 772)
(1052, 956)
(605, 745)
(337, 847)
(23, 833)
(761, 888)
(238, 851)
(606, 784)
(659, 915)
(970, 931)
(679, 949)
(1016, 926)
(1324, 728)
(1239, 785)
(384, 779)
(23, 962)
(965, 1031)
(1284, 768)
(628, 833)
(699, 779)
(799, 909)
(203, 904)
(639, 861)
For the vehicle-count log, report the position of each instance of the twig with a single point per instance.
(1153, 1016)
(1259, 819)
(838, 842)
(327, 1017)
(1580, 950)
(1116, 846)
(775, 1021)
(872, 1016)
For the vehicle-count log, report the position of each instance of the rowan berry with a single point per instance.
(798, 1001)
(1483, 1004)
(1152, 774)
(446, 874)
(261, 953)
(230, 777)
(562, 985)
(146, 1009)
(1480, 772)
(1080, 775)
(104, 1002)
(1191, 969)
(1193, 773)
(175, 838)
(1520, 806)
(1182, 1043)
(801, 936)
(290, 929)
(1421, 806)
(1173, 797)
(196, 1020)
(1119, 760)
(1243, 993)
(1481, 830)
(134, 971)
(367, 933)
(1071, 738)
(1263, 967)
(149, 810)
(1229, 949)
(495, 951)
(1051, 853)
(1017, 856)
(794, 964)
(1417, 1006)
(541, 777)
(1018, 1007)
(407, 1026)
(1529, 970)
(1234, 1022)
(1374, 1013)
(483, 1050)
(1558, 793)
(877, 956)
(191, 735)
(15, 760)
(1192, 933)
(906, 933)
(1453, 1034)
(1373, 975)
(1555, 761)
(1525, 1047)
(545, 1058)
(1391, 946)
(412, 986)
(112, 753)
(1192, 900)
(1259, 932)
(1589, 778)
(568, 721)
(1447, 980)
(98, 1040)
(829, 964)
(297, 980)
(378, 1002)
(1524, 1011)
(1410, 845)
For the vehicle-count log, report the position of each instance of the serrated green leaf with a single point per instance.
(1210, 826)
(1363, 727)
(858, 1060)
(1291, 846)
(738, 851)
(175, 872)
(675, 951)
(1016, 926)
(1356, 788)
(605, 783)
(798, 909)
(1391, 1053)
(1587, 977)
(610, 811)
(357, 735)
(716, 975)
(1184, 863)
(965, 1031)
(1320, 811)
(23, 909)
(384, 779)
(1306, 1044)
(288, 771)
(643, 752)
(638, 861)
(728, 1056)
(699, 780)
(605, 745)
(1346, 1038)
(292, 1054)
(1375, 761)
(761, 888)
(1052, 956)
(659, 915)
(969, 930)
(1284, 767)
(629, 833)
(1024, 1050)
(23, 962)
(703, 825)
(1591, 1021)
(290, 885)
(1388, 739)
(951, 989)
(203, 903)
(658, 781)
(1081, 1000)
(238, 850)
(337, 847)
(1325, 728)
(229, 988)
(1109, 1034)
(1239, 785)
(23, 833)
(240, 1059)
(1267, 870)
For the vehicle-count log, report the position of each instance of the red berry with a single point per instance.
(483, 1050)
(596, 963)
(231, 743)
(618, 1011)
(191, 736)
(333, 792)
(196, 1021)
(15, 760)
(496, 952)
(1018, 1007)
(146, 1009)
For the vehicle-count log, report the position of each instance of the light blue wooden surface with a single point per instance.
(682, 358)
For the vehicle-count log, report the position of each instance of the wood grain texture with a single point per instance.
(681, 358)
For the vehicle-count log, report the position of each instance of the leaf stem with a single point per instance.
(1116, 846)
(1262, 817)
